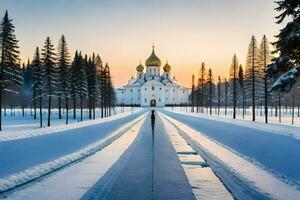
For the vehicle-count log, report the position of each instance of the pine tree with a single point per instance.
(233, 77)
(37, 83)
(50, 73)
(265, 55)
(101, 84)
(241, 85)
(92, 83)
(111, 99)
(226, 95)
(80, 81)
(253, 75)
(64, 76)
(10, 72)
(210, 89)
(202, 83)
(26, 92)
(193, 93)
(286, 68)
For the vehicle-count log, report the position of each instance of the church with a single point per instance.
(150, 87)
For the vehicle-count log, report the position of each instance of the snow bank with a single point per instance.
(293, 131)
(37, 171)
(19, 134)
(254, 175)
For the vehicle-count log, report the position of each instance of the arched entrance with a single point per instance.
(153, 103)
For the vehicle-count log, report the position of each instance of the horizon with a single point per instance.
(122, 33)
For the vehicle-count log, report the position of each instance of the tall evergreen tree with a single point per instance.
(37, 83)
(286, 68)
(253, 75)
(64, 73)
(210, 89)
(202, 84)
(265, 55)
(92, 83)
(233, 77)
(241, 85)
(10, 72)
(50, 73)
(80, 81)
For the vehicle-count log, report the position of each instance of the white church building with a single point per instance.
(151, 88)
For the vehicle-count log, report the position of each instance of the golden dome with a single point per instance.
(140, 68)
(167, 67)
(153, 60)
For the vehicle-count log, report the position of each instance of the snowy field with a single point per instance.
(206, 156)
(31, 154)
(15, 121)
(286, 114)
(273, 147)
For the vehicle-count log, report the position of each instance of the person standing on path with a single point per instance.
(152, 120)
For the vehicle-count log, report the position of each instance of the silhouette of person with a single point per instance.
(152, 119)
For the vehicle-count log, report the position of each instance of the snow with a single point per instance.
(21, 134)
(74, 181)
(36, 156)
(283, 129)
(256, 176)
(205, 184)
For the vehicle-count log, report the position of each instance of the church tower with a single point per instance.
(153, 64)
(140, 72)
(167, 70)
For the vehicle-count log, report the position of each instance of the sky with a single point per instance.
(186, 32)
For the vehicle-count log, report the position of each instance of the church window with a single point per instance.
(150, 71)
(138, 90)
(145, 89)
(122, 92)
(131, 99)
(145, 100)
(160, 88)
(159, 100)
(173, 90)
(166, 90)
(131, 90)
(153, 88)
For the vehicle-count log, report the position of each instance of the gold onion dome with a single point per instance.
(167, 67)
(153, 60)
(140, 68)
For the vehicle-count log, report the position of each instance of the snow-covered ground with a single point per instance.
(289, 130)
(15, 121)
(254, 175)
(74, 181)
(33, 155)
(286, 114)
(278, 154)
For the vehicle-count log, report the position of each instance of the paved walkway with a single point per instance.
(150, 170)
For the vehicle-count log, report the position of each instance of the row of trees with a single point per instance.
(52, 77)
(248, 87)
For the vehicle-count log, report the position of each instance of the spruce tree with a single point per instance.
(241, 85)
(64, 73)
(10, 72)
(253, 75)
(202, 84)
(50, 73)
(210, 89)
(80, 81)
(285, 69)
(233, 77)
(265, 55)
(92, 83)
(38, 82)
